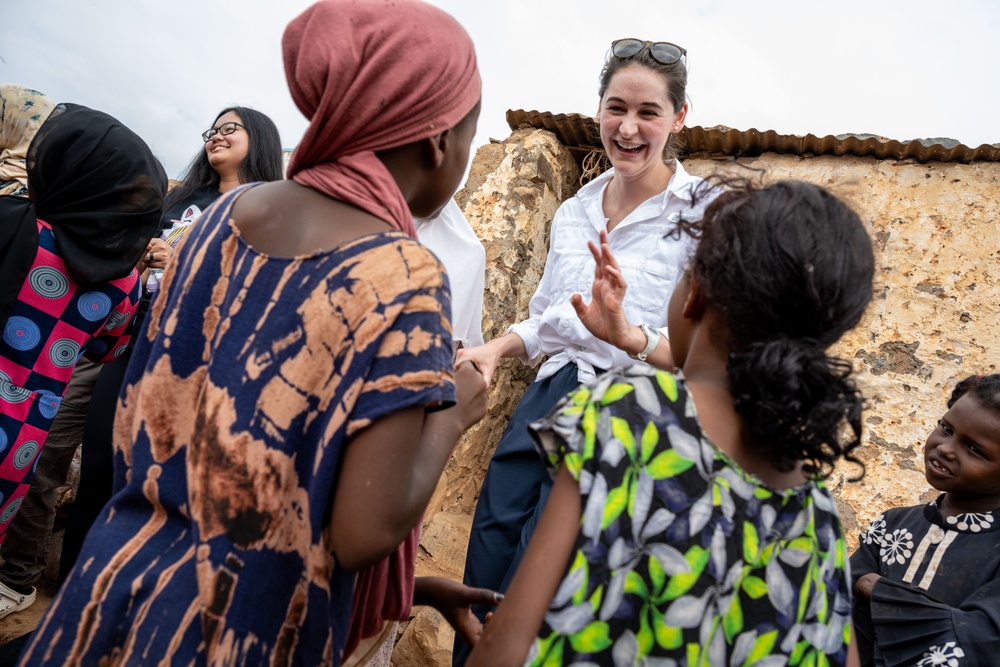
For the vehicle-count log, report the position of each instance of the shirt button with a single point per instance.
(564, 323)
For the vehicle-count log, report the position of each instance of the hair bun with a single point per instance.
(795, 399)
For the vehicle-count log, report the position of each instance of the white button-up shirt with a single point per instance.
(651, 259)
(450, 237)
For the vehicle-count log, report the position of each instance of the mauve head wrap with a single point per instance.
(372, 75)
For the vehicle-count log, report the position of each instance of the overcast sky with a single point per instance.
(902, 69)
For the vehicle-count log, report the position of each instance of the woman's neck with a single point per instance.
(227, 183)
(624, 194)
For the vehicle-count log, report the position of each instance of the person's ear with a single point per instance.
(694, 304)
(679, 117)
(437, 148)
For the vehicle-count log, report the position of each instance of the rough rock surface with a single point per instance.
(937, 245)
(936, 232)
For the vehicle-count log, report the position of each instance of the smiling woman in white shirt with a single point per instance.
(641, 203)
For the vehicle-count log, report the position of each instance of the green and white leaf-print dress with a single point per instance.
(682, 558)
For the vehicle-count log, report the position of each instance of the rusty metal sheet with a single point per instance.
(580, 134)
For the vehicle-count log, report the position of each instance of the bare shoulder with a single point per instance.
(286, 219)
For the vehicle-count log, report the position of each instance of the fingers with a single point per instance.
(595, 250)
(468, 373)
(619, 279)
(484, 363)
(158, 253)
(608, 257)
(578, 305)
(484, 596)
(470, 629)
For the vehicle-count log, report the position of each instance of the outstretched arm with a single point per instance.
(509, 634)
(486, 357)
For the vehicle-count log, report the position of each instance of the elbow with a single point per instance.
(364, 548)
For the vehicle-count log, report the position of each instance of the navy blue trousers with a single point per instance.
(513, 496)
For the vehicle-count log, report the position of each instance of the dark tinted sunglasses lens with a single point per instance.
(626, 48)
(667, 54)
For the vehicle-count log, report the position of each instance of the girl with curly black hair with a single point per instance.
(689, 522)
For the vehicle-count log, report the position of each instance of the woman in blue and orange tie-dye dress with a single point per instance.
(292, 402)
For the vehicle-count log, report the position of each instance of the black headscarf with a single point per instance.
(99, 186)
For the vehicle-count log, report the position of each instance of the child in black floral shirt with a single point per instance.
(927, 578)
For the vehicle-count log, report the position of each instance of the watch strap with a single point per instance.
(652, 340)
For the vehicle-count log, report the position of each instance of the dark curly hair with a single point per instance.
(789, 266)
(262, 163)
(985, 389)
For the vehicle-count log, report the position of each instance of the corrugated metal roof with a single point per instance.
(579, 133)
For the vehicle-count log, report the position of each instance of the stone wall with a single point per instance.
(935, 230)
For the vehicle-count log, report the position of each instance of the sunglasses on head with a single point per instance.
(225, 130)
(664, 53)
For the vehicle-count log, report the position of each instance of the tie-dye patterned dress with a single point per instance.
(252, 374)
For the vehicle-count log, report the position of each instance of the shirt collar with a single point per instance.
(681, 184)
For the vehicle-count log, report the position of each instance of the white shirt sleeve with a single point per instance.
(451, 238)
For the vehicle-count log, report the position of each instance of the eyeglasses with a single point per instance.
(664, 53)
(225, 130)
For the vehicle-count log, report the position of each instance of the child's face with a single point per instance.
(962, 456)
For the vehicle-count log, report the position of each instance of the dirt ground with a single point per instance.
(13, 626)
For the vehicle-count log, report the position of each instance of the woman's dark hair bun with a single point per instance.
(795, 400)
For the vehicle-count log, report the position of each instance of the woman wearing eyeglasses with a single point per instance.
(641, 203)
(242, 146)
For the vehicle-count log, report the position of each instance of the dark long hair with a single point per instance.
(262, 163)
(790, 267)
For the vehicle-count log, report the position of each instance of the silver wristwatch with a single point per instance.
(652, 340)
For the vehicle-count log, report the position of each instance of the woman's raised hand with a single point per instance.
(604, 316)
